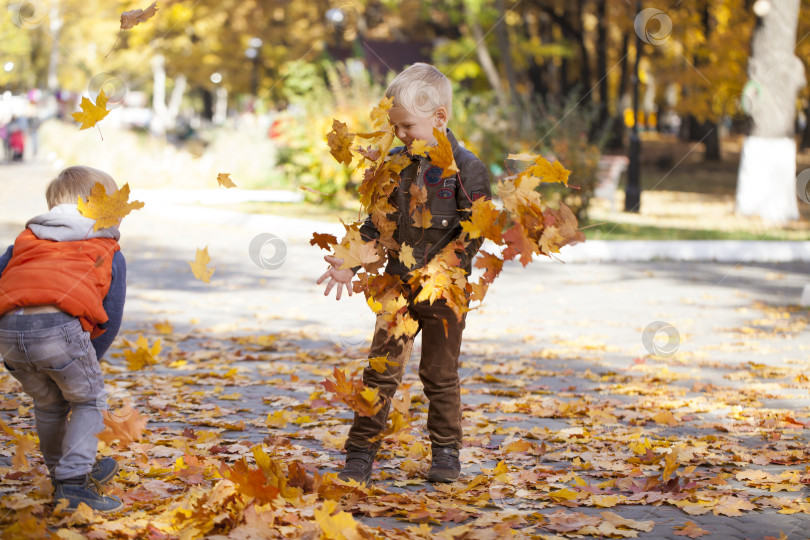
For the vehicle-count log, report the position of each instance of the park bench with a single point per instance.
(607, 177)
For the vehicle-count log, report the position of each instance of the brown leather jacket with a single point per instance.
(449, 201)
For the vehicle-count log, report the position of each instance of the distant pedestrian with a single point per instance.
(62, 290)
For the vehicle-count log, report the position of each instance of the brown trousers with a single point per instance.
(438, 371)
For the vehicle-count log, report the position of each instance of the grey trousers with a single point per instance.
(52, 358)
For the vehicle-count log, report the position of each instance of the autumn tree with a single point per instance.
(766, 183)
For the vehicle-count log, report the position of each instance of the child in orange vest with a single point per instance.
(62, 290)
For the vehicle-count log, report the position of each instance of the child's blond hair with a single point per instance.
(77, 181)
(421, 89)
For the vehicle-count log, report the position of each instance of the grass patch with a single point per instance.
(613, 230)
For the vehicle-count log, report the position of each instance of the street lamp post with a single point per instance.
(632, 193)
(252, 53)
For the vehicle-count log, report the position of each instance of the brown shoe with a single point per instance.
(445, 466)
(358, 466)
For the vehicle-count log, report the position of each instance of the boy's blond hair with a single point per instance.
(421, 89)
(77, 181)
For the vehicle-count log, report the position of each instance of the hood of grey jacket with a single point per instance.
(64, 223)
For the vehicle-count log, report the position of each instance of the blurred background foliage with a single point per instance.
(548, 76)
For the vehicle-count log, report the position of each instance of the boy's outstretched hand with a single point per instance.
(341, 278)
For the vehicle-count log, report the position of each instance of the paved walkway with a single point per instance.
(565, 335)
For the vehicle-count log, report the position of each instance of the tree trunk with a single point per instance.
(485, 59)
(806, 132)
(601, 62)
(502, 35)
(766, 183)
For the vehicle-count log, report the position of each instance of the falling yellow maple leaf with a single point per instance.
(141, 354)
(107, 210)
(92, 113)
(441, 155)
(134, 17)
(340, 142)
(200, 265)
(355, 252)
(224, 180)
(542, 168)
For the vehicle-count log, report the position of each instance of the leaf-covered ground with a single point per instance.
(556, 442)
(571, 427)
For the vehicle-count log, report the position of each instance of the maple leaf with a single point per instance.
(491, 263)
(690, 529)
(200, 265)
(125, 425)
(141, 354)
(23, 445)
(419, 147)
(92, 113)
(485, 220)
(250, 481)
(422, 218)
(338, 526)
(551, 240)
(355, 252)
(323, 241)
(441, 155)
(164, 327)
(406, 256)
(732, 506)
(418, 196)
(518, 243)
(562, 521)
(130, 19)
(354, 393)
(543, 169)
(379, 114)
(224, 180)
(107, 210)
(340, 142)
(379, 363)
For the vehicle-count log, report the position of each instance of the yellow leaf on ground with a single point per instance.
(125, 425)
(339, 526)
(690, 529)
(107, 210)
(140, 354)
(224, 180)
(200, 265)
(92, 113)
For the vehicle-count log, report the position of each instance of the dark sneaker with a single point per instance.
(85, 490)
(358, 466)
(445, 466)
(104, 470)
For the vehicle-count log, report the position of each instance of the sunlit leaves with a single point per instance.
(92, 113)
(107, 209)
(354, 393)
(441, 154)
(140, 354)
(340, 142)
(125, 425)
(224, 180)
(132, 18)
(199, 266)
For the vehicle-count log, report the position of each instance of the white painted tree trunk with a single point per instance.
(766, 183)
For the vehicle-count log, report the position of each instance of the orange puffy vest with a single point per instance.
(72, 275)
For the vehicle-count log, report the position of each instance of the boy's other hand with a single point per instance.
(336, 276)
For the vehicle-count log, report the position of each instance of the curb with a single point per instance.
(593, 251)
